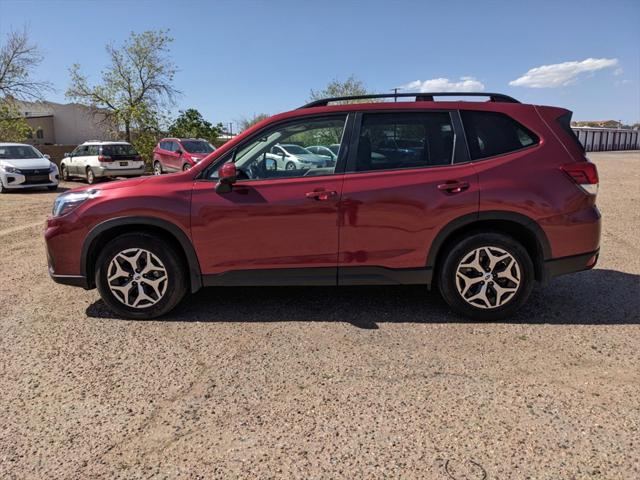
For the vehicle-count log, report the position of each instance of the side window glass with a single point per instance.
(493, 133)
(93, 150)
(405, 140)
(281, 152)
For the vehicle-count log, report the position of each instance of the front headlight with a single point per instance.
(67, 202)
(9, 169)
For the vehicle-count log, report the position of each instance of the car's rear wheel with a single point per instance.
(52, 188)
(91, 178)
(157, 168)
(140, 276)
(486, 276)
(64, 171)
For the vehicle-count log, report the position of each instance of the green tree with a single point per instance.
(352, 86)
(191, 124)
(13, 126)
(136, 86)
(246, 123)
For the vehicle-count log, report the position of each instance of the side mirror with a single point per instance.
(47, 156)
(67, 154)
(179, 152)
(270, 164)
(226, 177)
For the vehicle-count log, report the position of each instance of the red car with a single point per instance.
(477, 199)
(179, 154)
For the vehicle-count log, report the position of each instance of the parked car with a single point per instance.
(23, 166)
(177, 154)
(296, 157)
(325, 151)
(500, 196)
(94, 160)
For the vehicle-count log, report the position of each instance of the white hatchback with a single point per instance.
(23, 166)
(94, 160)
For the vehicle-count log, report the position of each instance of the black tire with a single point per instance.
(91, 178)
(64, 173)
(465, 247)
(176, 286)
(290, 166)
(52, 188)
(2, 189)
(186, 167)
(157, 168)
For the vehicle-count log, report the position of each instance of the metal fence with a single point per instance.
(602, 139)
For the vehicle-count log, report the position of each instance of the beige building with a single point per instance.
(64, 124)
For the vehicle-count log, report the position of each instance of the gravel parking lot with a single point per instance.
(323, 383)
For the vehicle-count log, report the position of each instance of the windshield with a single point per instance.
(19, 152)
(197, 146)
(296, 150)
(118, 149)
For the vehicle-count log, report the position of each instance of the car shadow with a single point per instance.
(597, 297)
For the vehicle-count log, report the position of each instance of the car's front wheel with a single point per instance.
(64, 173)
(486, 276)
(290, 166)
(140, 276)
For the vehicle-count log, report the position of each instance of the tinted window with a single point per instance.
(93, 150)
(19, 152)
(81, 150)
(492, 133)
(405, 140)
(197, 146)
(261, 157)
(118, 149)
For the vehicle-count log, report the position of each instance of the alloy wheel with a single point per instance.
(488, 277)
(137, 278)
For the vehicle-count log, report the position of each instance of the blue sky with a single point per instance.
(237, 58)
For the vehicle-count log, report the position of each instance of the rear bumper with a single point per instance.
(575, 263)
(101, 172)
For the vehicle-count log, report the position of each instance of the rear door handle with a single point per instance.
(453, 186)
(321, 195)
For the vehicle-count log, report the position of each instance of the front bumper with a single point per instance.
(19, 181)
(102, 172)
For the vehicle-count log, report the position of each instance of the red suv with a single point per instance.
(477, 199)
(179, 154)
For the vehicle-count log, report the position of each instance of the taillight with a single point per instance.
(104, 158)
(585, 174)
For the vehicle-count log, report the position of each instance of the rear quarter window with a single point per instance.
(493, 133)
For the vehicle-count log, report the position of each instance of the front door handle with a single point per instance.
(321, 195)
(453, 186)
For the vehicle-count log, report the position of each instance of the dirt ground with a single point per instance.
(307, 383)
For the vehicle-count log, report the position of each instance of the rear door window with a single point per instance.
(405, 140)
(493, 133)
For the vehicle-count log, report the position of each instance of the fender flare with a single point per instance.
(471, 218)
(195, 274)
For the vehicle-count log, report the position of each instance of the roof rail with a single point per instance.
(420, 97)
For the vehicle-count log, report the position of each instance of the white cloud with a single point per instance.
(561, 74)
(618, 71)
(466, 84)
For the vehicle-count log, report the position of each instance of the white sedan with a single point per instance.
(23, 166)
